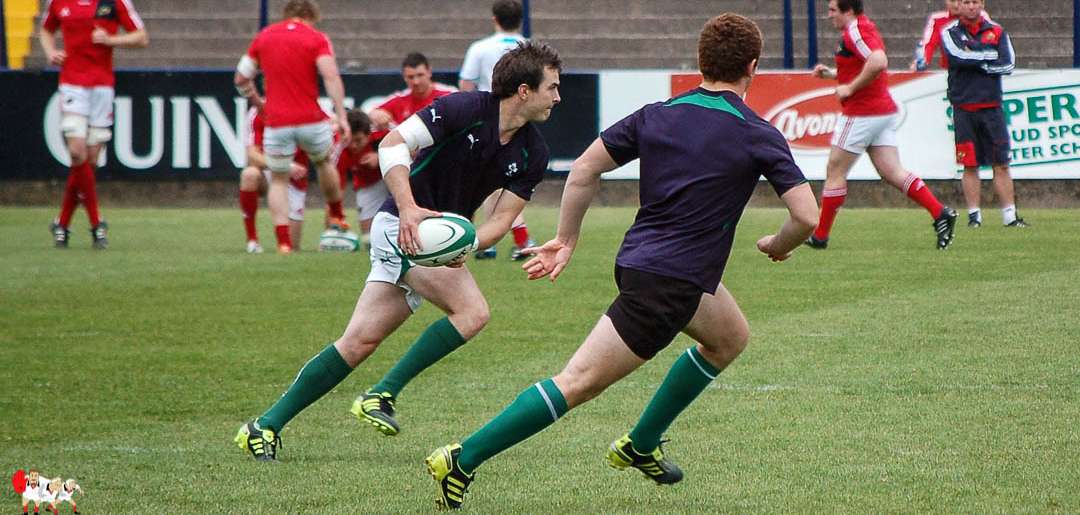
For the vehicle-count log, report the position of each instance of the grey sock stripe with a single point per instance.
(551, 407)
(698, 365)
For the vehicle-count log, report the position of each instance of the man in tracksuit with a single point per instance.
(979, 53)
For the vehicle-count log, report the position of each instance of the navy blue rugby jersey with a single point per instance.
(701, 155)
(466, 163)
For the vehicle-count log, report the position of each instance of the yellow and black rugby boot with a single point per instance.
(377, 409)
(655, 466)
(452, 481)
(261, 443)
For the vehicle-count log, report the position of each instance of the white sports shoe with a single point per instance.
(253, 247)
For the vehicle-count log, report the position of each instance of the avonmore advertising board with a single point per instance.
(1042, 108)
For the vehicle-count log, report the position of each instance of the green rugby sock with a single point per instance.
(537, 407)
(439, 340)
(688, 377)
(319, 375)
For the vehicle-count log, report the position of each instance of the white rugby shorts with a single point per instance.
(388, 264)
(370, 198)
(279, 144)
(87, 112)
(855, 133)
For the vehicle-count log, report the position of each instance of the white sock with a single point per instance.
(1008, 214)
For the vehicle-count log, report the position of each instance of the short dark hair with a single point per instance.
(850, 5)
(415, 59)
(358, 121)
(508, 14)
(523, 65)
(303, 9)
(728, 44)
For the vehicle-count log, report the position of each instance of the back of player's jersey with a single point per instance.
(482, 56)
(286, 52)
(701, 155)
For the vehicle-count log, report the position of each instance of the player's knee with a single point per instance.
(78, 153)
(725, 347)
(469, 323)
(249, 179)
(578, 385)
(355, 346)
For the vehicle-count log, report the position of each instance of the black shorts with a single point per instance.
(651, 309)
(982, 138)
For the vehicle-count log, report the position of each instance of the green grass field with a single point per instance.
(883, 376)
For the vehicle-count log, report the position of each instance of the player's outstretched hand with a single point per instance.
(548, 259)
(408, 235)
(765, 246)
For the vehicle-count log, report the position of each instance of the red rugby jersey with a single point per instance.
(348, 163)
(286, 52)
(87, 64)
(860, 39)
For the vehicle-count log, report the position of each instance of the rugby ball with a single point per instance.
(333, 240)
(444, 239)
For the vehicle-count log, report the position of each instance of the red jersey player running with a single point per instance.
(292, 56)
(91, 31)
(868, 123)
(256, 177)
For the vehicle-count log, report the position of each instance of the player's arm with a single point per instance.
(244, 79)
(1006, 60)
(876, 63)
(137, 38)
(470, 70)
(335, 89)
(380, 119)
(963, 57)
(507, 208)
(924, 51)
(48, 44)
(581, 187)
(466, 85)
(255, 157)
(801, 222)
(395, 159)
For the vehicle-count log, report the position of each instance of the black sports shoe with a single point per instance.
(60, 235)
(377, 409)
(815, 243)
(100, 233)
(1019, 222)
(655, 466)
(944, 225)
(453, 482)
(974, 220)
(261, 443)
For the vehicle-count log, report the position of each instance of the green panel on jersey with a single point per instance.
(708, 102)
(427, 160)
